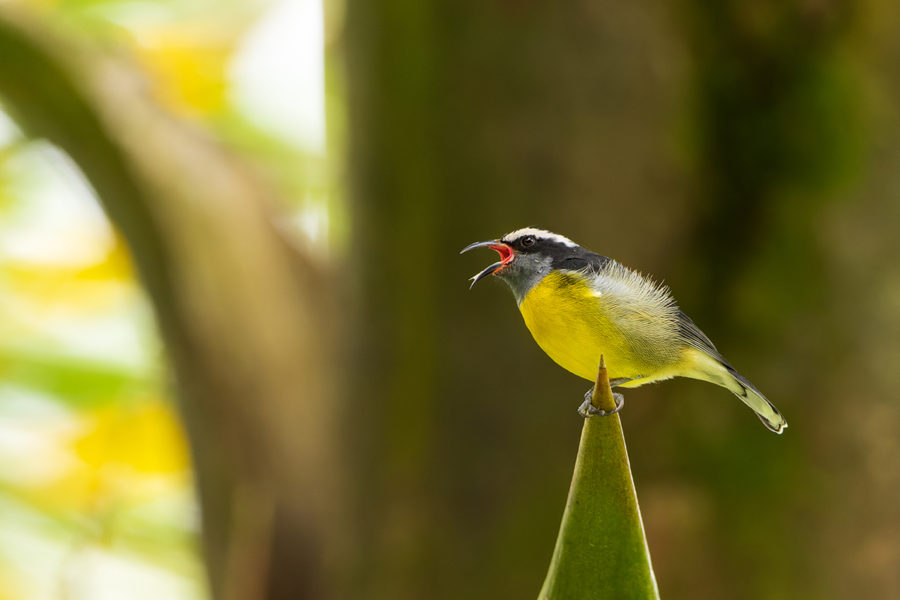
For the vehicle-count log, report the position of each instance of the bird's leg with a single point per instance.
(588, 410)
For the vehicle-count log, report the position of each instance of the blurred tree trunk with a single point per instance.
(776, 116)
(468, 120)
(245, 317)
(777, 132)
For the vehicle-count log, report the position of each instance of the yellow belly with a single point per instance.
(567, 320)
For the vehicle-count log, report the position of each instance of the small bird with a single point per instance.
(579, 306)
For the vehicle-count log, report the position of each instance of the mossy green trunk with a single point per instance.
(468, 120)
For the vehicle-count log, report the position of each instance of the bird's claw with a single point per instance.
(588, 410)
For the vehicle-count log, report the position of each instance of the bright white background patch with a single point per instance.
(278, 75)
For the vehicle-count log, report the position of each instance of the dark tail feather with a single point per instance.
(753, 398)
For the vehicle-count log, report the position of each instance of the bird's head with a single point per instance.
(526, 256)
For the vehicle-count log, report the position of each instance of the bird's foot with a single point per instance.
(588, 410)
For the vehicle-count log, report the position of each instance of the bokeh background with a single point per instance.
(745, 152)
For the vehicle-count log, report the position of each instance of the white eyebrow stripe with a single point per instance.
(541, 233)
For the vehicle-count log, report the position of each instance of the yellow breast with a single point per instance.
(568, 321)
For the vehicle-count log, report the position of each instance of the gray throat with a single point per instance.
(525, 273)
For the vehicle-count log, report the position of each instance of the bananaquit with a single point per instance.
(579, 305)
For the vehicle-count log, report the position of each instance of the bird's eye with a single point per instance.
(528, 240)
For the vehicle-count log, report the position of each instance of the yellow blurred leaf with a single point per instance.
(146, 438)
(123, 454)
(189, 63)
(94, 285)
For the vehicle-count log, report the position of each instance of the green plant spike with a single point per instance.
(601, 551)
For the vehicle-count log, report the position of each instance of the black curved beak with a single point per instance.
(487, 271)
(480, 245)
(492, 268)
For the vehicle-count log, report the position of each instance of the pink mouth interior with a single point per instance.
(506, 253)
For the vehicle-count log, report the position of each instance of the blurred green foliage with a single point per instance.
(94, 476)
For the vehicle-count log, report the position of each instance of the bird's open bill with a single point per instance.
(506, 255)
